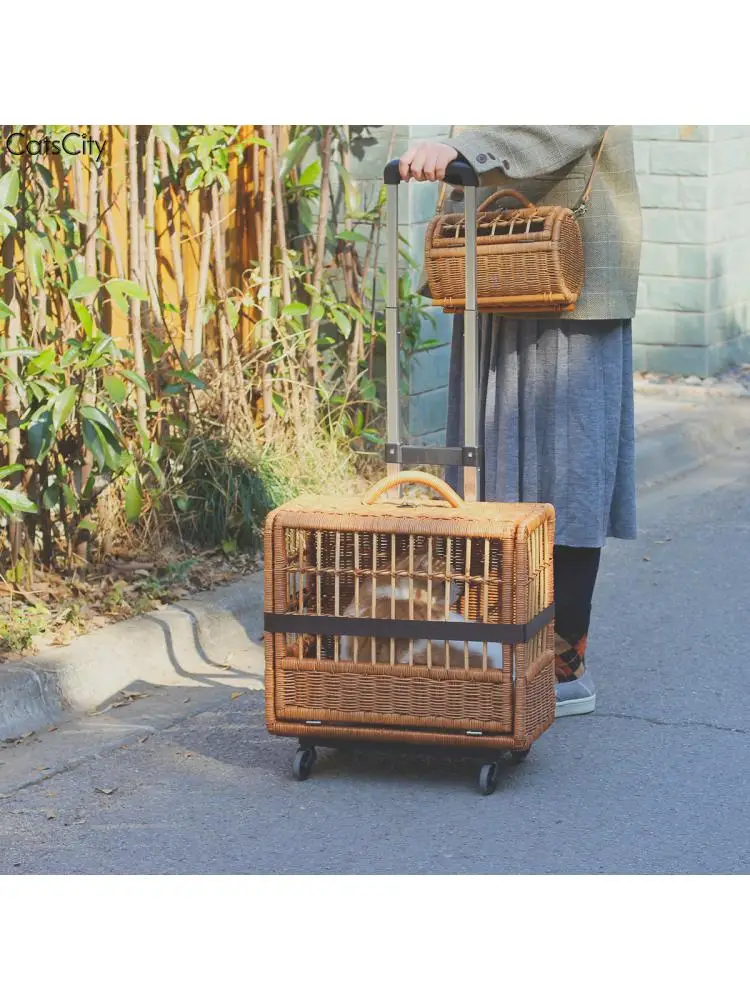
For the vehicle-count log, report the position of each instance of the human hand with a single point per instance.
(426, 161)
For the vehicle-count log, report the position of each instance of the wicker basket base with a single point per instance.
(413, 737)
(451, 306)
(533, 713)
(393, 696)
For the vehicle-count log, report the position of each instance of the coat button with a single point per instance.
(481, 158)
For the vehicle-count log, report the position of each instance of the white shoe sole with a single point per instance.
(576, 706)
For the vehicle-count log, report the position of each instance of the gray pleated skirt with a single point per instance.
(556, 420)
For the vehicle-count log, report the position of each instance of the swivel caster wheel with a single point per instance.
(303, 763)
(519, 755)
(488, 779)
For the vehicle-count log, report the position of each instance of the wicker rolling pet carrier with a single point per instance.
(529, 258)
(410, 620)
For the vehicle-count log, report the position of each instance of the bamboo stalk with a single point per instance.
(286, 284)
(174, 237)
(92, 214)
(313, 360)
(142, 254)
(40, 316)
(150, 261)
(88, 394)
(257, 225)
(234, 358)
(78, 195)
(135, 305)
(114, 239)
(205, 260)
(356, 344)
(265, 277)
(279, 204)
(221, 292)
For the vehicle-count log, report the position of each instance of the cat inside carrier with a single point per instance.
(384, 577)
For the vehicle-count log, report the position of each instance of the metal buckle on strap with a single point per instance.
(579, 211)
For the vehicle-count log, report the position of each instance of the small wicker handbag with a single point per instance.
(529, 258)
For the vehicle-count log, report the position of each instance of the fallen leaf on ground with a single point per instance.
(50, 815)
(131, 696)
(647, 558)
(105, 791)
(144, 738)
(126, 700)
(237, 694)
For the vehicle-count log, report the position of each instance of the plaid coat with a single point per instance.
(550, 164)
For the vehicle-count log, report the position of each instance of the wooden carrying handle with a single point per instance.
(419, 478)
(505, 193)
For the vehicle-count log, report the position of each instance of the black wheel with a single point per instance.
(518, 755)
(303, 763)
(488, 779)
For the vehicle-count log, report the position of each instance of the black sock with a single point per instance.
(575, 577)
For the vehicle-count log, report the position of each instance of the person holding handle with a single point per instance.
(556, 394)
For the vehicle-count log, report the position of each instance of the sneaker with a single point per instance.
(576, 697)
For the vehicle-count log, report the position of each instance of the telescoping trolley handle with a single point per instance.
(458, 175)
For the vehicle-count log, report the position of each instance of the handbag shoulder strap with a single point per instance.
(580, 208)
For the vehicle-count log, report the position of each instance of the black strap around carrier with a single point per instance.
(398, 628)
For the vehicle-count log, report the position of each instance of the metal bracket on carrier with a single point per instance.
(403, 454)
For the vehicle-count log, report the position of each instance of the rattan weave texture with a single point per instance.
(529, 259)
(483, 562)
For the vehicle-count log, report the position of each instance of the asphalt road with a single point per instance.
(657, 781)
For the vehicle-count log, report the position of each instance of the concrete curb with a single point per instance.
(676, 431)
(215, 639)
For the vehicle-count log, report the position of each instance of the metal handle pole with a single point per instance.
(392, 339)
(462, 174)
(470, 344)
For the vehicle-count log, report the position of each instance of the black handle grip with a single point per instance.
(458, 174)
